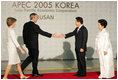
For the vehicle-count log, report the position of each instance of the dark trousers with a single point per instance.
(81, 62)
(33, 57)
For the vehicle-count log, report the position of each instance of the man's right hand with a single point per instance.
(54, 35)
(58, 36)
(61, 35)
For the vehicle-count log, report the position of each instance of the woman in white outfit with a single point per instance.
(12, 44)
(104, 50)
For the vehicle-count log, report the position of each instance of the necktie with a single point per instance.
(78, 29)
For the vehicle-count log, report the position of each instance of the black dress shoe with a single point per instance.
(75, 74)
(81, 75)
(37, 75)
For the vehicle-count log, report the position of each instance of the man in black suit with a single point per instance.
(30, 37)
(81, 36)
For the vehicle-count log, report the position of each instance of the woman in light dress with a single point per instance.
(12, 44)
(104, 50)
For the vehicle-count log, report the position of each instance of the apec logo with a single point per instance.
(30, 4)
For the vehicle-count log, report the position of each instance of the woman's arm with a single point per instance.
(13, 37)
(106, 43)
(22, 51)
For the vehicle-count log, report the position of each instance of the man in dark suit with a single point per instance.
(30, 37)
(81, 36)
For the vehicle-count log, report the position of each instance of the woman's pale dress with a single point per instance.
(106, 61)
(12, 45)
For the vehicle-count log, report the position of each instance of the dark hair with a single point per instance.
(103, 22)
(10, 21)
(79, 19)
(32, 15)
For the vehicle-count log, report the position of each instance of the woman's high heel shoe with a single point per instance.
(24, 77)
(4, 78)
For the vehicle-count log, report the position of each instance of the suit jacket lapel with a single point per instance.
(80, 29)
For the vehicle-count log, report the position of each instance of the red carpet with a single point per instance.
(90, 75)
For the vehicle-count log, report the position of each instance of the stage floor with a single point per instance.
(57, 66)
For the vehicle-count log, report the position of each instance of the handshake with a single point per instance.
(58, 36)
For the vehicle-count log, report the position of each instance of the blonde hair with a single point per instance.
(10, 21)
